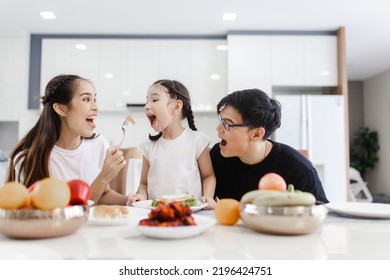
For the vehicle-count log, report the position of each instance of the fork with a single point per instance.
(124, 127)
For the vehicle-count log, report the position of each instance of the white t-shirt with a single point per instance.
(173, 164)
(83, 163)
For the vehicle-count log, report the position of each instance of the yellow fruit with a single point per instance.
(227, 211)
(13, 195)
(50, 193)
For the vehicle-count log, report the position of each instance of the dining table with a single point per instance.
(339, 238)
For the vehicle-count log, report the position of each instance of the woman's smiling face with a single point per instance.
(83, 110)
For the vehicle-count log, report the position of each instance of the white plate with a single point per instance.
(148, 205)
(202, 223)
(361, 209)
(133, 214)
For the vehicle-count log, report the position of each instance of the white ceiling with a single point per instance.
(367, 22)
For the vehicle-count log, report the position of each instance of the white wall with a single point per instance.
(377, 117)
(355, 107)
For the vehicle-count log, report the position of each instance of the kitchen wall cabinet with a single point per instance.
(123, 69)
(266, 61)
(12, 57)
(112, 80)
(249, 62)
(304, 60)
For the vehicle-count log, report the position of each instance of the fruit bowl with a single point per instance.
(34, 223)
(283, 220)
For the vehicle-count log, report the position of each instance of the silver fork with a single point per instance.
(124, 126)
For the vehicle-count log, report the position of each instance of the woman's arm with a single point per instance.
(113, 162)
(111, 197)
(208, 177)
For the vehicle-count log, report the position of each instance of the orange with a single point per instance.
(50, 193)
(227, 211)
(13, 195)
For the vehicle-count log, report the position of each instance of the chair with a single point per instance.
(358, 190)
(305, 153)
(119, 182)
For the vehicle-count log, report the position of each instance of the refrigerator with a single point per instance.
(316, 123)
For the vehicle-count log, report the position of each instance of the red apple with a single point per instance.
(272, 181)
(80, 192)
(32, 187)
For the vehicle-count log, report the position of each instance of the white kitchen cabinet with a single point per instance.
(123, 69)
(85, 62)
(11, 73)
(175, 60)
(302, 60)
(143, 61)
(249, 62)
(320, 61)
(66, 56)
(112, 83)
(288, 61)
(208, 74)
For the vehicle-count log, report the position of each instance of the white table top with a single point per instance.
(340, 238)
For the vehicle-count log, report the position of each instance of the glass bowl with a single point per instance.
(34, 223)
(283, 220)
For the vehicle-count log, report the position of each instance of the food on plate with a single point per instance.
(110, 211)
(80, 192)
(50, 193)
(272, 181)
(227, 211)
(278, 198)
(13, 195)
(169, 215)
(185, 199)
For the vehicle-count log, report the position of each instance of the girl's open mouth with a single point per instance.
(152, 119)
(90, 121)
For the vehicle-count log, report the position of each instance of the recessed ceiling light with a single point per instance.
(109, 76)
(229, 16)
(222, 47)
(48, 15)
(81, 46)
(215, 77)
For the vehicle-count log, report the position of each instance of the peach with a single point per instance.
(272, 181)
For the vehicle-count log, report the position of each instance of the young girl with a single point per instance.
(177, 159)
(62, 143)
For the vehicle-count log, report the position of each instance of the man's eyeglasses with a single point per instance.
(227, 125)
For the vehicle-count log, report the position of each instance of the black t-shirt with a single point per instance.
(235, 178)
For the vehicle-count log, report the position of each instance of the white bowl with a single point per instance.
(33, 223)
(285, 220)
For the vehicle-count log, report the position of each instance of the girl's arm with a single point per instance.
(113, 162)
(208, 178)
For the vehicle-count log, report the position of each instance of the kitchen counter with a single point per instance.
(340, 238)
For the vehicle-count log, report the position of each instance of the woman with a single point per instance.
(62, 143)
(245, 154)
